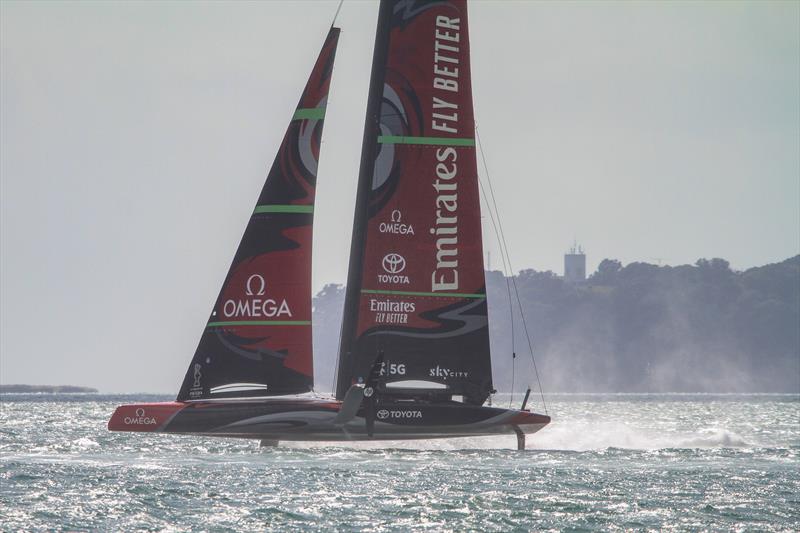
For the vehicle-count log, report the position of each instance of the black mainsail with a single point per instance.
(416, 295)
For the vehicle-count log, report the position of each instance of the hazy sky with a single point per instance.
(135, 138)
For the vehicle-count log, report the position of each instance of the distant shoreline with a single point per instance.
(51, 389)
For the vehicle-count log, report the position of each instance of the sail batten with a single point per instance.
(260, 323)
(309, 113)
(433, 294)
(431, 141)
(257, 341)
(416, 296)
(277, 208)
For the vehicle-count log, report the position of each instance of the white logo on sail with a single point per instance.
(393, 264)
(396, 226)
(445, 230)
(261, 286)
(197, 375)
(441, 372)
(389, 311)
(392, 369)
(197, 388)
(256, 307)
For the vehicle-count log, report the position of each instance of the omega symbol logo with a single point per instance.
(383, 414)
(141, 419)
(260, 284)
(397, 216)
(394, 263)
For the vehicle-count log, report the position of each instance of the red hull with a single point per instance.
(315, 419)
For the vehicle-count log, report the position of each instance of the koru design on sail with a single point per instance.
(414, 359)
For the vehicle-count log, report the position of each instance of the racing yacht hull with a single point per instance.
(316, 420)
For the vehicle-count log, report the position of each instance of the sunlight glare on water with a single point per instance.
(659, 462)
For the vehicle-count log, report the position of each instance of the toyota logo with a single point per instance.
(383, 414)
(394, 263)
(140, 412)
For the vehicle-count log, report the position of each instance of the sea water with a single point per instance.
(606, 462)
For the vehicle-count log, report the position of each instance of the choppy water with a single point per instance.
(658, 462)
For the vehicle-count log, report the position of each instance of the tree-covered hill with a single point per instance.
(634, 328)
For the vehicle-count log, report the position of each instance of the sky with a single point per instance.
(135, 138)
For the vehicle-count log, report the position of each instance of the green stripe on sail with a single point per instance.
(309, 112)
(411, 293)
(435, 141)
(261, 323)
(283, 209)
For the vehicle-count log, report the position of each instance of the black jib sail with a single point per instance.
(416, 298)
(257, 341)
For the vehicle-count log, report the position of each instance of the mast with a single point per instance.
(369, 146)
(415, 304)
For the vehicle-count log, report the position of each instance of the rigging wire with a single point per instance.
(337, 13)
(504, 250)
(506, 276)
(341, 326)
(338, 350)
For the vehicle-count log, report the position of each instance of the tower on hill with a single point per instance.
(575, 265)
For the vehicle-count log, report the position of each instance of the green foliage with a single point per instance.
(637, 328)
(644, 327)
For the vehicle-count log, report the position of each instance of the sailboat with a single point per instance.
(414, 359)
